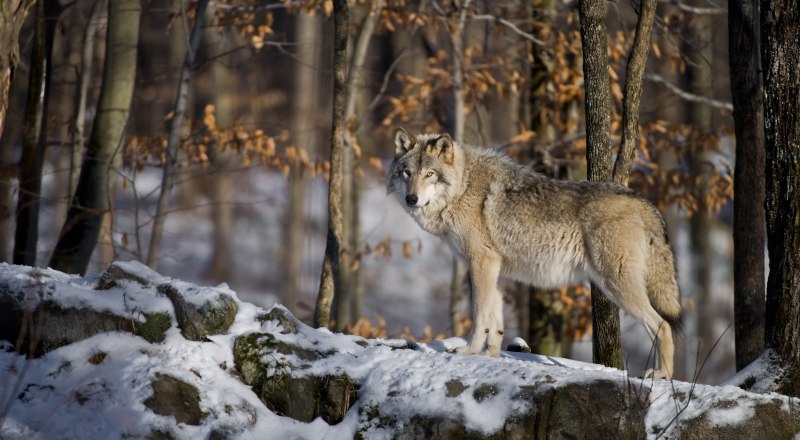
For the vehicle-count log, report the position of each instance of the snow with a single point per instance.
(64, 395)
(763, 372)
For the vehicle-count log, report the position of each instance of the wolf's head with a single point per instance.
(423, 171)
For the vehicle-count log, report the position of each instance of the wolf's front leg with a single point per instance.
(487, 329)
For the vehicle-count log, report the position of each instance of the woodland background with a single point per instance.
(247, 164)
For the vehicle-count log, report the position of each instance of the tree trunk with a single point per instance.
(34, 136)
(350, 214)
(780, 51)
(329, 284)
(81, 229)
(343, 300)
(221, 179)
(699, 53)
(748, 198)
(84, 76)
(304, 135)
(606, 340)
(541, 313)
(12, 17)
(457, 291)
(174, 140)
(547, 326)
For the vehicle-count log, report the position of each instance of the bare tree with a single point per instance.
(634, 77)
(456, 34)
(218, 176)
(606, 340)
(91, 202)
(34, 134)
(84, 76)
(174, 139)
(329, 284)
(304, 135)
(780, 33)
(748, 199)
(344, 299)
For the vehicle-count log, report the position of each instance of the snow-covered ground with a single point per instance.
(73, 393)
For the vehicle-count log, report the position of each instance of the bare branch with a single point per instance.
(386, 78)
(175, 129)
(359, 54)
(688, 96)
(696, 9)
(458, 73)
(254, 8)
(511, 26)
(637, 61)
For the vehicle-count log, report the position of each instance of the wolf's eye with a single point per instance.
(406, 173)
(429, 174)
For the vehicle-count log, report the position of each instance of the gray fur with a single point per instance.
(507, 220)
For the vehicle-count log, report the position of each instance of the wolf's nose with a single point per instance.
(411, 200)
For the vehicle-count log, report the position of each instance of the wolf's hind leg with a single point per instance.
(620, 268)
(665, 349)
(487, 306)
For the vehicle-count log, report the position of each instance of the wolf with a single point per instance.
(506, 220)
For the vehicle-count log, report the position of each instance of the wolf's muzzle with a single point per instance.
(411, 200)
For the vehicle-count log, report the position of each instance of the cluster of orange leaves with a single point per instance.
(251, 147)
(383, 250)
(252, 23)
(577, 301)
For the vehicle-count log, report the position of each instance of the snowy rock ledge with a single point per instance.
(133, 354)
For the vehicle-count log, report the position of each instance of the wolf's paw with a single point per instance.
(492, 352)
(656, 374)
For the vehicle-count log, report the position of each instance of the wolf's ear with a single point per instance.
(402, 142)
(442, 148)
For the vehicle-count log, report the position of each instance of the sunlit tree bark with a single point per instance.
(329, 284)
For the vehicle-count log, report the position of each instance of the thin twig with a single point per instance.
(386, 77)
(686, 95)
(511, 26)
(696, 9)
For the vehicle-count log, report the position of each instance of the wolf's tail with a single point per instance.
(661, 278)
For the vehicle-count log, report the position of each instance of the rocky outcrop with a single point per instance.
(178, 377)
(283, 376)
(303, 398)
(36, 322)
(211, 317)
(38, 318)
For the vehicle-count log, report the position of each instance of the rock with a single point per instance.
(56, 326)
(117, 271)
(302, 398)
(213, 317)
(279, 314)
(518, 345)
(597, 410)
(176, 398)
